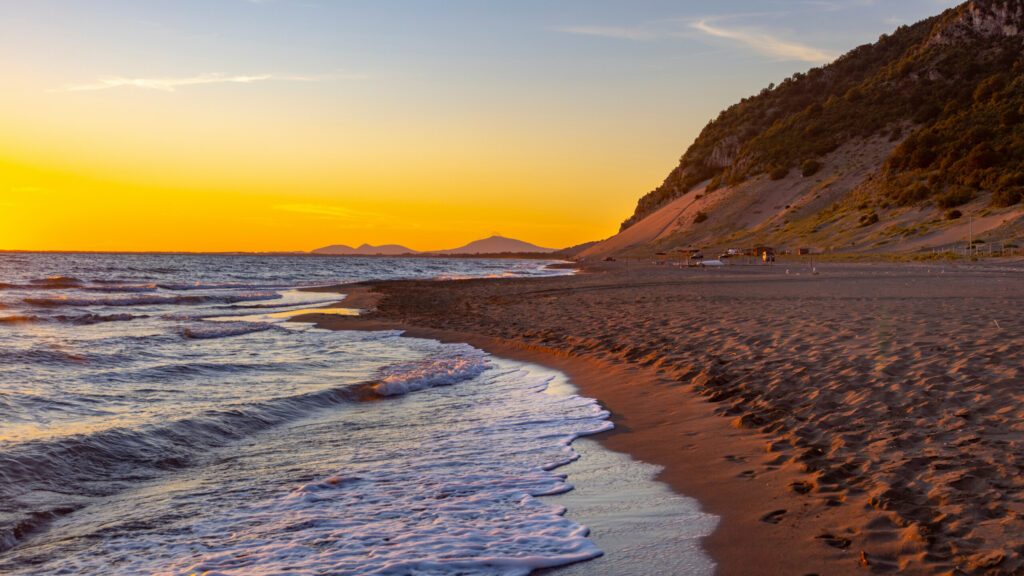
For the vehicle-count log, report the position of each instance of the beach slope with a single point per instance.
(861, 418)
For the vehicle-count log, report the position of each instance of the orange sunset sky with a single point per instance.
(287, 125)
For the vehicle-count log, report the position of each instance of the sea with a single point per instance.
(160, 414)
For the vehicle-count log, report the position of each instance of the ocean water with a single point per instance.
(159, 416)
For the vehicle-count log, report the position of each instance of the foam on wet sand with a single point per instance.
(866, 416)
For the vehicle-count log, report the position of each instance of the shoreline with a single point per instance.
(710, 470)
(695, 469)
(840, 420)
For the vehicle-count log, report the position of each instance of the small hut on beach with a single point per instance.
(689, 256)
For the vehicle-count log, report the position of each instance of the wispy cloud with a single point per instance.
(329, 212)
(765, 43)
(165, 84)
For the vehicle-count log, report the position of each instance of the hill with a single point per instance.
(911, 142)
(365, 250)
(497, 245)
(573, 251)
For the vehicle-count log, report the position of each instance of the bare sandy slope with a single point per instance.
(651, 230)
(823, 212)
(754, 211)
(864, 418)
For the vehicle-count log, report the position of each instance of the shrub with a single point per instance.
(1010, 118)
(1009, 179)
(810, 168)
(988, 88)
(912, 194)
(953, 214)
(927, 113)
(955, 196)
(922, 158)
(868, 219)
(982, 156)
(715, 183)
(1007, 196)
(778, 173)
(700, 217)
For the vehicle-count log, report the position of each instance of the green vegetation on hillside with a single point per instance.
(950, 88)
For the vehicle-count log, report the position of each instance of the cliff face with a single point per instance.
(991, 18)
(947, 94)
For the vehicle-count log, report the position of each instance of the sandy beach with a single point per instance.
(855, 418)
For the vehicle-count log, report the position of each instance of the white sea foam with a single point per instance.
(463, 499)
(515, 272)
(458, 363)
(446, 481)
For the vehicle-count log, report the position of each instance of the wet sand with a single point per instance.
(867, 418)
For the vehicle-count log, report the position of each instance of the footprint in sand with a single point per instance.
(801, 487)
(835, 541)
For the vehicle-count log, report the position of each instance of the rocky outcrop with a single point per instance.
(724, 153)
(982, 18)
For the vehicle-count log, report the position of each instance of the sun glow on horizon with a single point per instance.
(286, 125)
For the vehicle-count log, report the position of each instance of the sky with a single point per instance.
(279, 125)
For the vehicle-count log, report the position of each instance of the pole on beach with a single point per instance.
(970, 237)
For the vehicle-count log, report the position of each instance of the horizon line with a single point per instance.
(424, 253)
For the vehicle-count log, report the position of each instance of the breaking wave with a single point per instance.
(149, 300)
(57, 282)
(462, 362)
(103, 463)
(210, 330)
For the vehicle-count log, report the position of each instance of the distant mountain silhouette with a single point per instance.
(365, 250)
(497, 245)
(492, 245)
